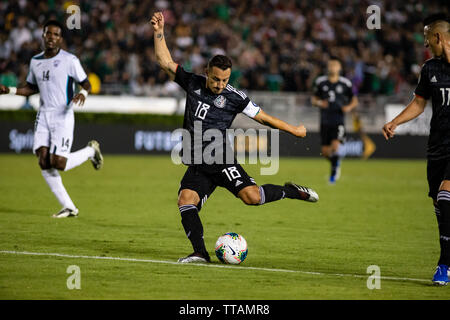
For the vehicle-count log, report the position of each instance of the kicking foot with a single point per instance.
(66, 213)
(304, 193)
(97, 159)
(441, 276)
(195, 257)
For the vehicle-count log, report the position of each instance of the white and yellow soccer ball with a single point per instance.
(231, 248)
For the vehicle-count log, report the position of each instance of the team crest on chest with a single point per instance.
(56, 63)
(220, 102)
(339, 89)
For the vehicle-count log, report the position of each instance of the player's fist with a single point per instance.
(388, 130)
(3, 89)
(157, 21)
(300, 131)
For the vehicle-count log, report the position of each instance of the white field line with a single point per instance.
(62, 255)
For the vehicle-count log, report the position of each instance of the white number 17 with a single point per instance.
(443, 96)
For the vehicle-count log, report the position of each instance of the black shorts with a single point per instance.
(330, 133)
(204, 179)
(437, 171)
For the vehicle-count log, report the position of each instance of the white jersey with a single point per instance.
(55, 77)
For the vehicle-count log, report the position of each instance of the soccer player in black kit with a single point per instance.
(212, 104)
(434, 84)
(334, 96)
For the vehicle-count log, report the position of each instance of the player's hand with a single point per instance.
(322, 104)
(346, 108)
(300, 131)
(79, 100)
(157, 21)
(389, 130)
(3, 89)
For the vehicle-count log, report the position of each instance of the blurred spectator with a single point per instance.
(276, 45)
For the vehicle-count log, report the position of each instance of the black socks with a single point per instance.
(443, 200)
(193, 228)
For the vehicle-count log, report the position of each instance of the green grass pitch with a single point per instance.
(378, 214)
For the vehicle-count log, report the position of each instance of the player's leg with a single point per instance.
(235, 179)
(41, 147)
(195, 188)
(62, 139)
(328, 137)
(443, 200)
(439, 191)
(335, 161)
(60, 144)
(54, 181)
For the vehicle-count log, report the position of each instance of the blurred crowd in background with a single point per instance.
(275, 45)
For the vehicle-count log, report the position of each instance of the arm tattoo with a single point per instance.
(159, 36)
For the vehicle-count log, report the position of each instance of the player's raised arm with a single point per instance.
(162, 52)
(412, 110)
(273, 122)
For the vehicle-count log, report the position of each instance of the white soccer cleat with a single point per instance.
(194, 258)
(305, 193)
(66, 213)
(97, 159)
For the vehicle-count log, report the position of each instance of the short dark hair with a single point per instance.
(220, 61)
(435, 18)
(55, 23)
(335, 58)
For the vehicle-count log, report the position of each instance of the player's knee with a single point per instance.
(58, 163)
(187, 197)
(251, 196)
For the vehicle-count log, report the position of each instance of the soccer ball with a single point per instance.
(231, 248)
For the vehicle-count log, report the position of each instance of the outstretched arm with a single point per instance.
(162, 52)
(412, 110)
(273, 122)
(26, 91)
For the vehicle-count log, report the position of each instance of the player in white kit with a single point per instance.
(53, 74)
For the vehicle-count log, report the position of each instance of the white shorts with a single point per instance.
(54, 130)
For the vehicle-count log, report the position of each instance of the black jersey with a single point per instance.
(434, 83)
(338, 94)
(208, 110)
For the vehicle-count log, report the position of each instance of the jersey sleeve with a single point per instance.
(31, 79)
(77, 71)
(251, 109)
(183, 77)
(349, 90)
(316, 89)
(423, 86)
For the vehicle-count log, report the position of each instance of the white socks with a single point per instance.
(76, 158)
(54, 181)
